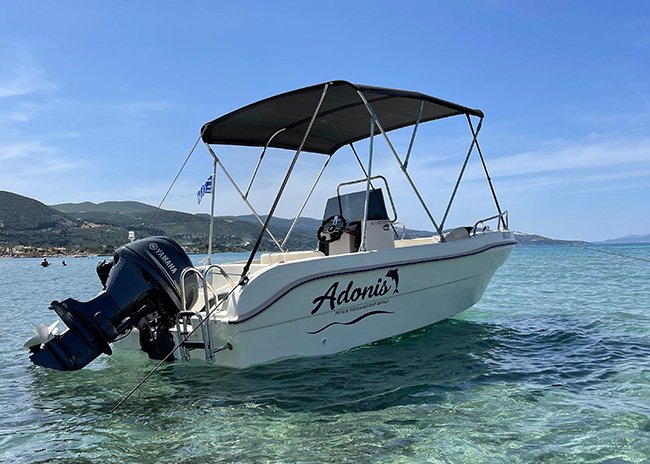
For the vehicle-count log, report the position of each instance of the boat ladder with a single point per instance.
(185, 316)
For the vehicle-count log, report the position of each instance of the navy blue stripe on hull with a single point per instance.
(298, 282)
(353, 321)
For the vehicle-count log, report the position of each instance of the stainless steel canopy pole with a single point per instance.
(244, 279)
(363, 168)
(358, 159)
(415, 130)
(259, 161)
(295, 220)
(364, 236)
(356, 155)
(241, 194)
(462, 170)
(487, 174)
(404, 170)
(214, 190)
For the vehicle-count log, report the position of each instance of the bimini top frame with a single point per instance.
(323, 118)
(281, 121)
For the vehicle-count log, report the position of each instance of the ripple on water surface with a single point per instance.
(551, 366)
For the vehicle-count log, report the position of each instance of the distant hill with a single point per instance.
(102, 227)
(534, 239)
(629, 239)
(231, 232)
(105, 207)
(19, 213)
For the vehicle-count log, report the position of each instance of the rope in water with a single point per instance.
(607, 252)
(162, 361)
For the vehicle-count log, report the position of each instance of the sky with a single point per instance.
(103, 101)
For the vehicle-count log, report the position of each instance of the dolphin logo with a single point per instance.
(395, 276)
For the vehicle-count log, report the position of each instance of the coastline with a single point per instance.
(37, 252)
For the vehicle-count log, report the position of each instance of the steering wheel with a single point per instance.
(331, 229)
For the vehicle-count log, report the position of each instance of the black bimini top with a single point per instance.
(342, 119)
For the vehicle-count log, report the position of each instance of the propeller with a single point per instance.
(43, 334)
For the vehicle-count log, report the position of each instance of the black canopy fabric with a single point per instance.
(342, 119)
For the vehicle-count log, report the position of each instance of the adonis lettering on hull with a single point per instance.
(351, 293)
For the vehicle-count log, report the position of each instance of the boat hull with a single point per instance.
(328, 305)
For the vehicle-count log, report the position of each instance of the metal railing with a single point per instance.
(185, 315)
(358, 181)
(502, 217)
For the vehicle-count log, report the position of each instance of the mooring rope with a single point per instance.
(162, 361)
(177, 175)
(585, 247)
(621, 255)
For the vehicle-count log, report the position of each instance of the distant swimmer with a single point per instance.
(45, 263)
(63, 263)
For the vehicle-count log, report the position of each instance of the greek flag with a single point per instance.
(205, 188)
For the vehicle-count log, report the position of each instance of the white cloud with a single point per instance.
(32, 168)
(580, 160)
(22, 150)
(24, 78)
(611, 153)
(16, 116)
(31, 109)
(65, 134)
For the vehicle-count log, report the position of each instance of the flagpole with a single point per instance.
(214, 187)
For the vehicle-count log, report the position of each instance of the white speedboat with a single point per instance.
(364, 282)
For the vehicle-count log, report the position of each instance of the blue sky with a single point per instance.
(103, 100)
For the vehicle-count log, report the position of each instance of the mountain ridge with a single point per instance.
(101, 227)
(128, 206)
(627, 239)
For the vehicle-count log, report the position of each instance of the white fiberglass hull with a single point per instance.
(326, 305)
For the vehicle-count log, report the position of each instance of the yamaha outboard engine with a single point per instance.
(143, 290)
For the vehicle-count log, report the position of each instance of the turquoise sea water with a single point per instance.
(552, 365)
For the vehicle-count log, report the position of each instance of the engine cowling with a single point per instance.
(143, 290)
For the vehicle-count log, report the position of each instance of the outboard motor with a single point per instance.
(143, 290)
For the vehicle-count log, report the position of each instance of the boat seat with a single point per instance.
(275, 258)
(407, 242)
(458, 233)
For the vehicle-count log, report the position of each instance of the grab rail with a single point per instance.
(206, 330)
(185, 315)
(221, 270)
(503, 219)
(358, 181)
(206, 283)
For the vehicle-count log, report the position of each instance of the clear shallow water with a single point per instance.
(552, 365)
